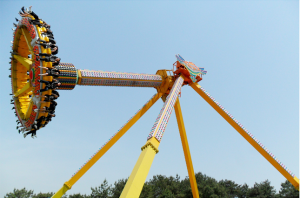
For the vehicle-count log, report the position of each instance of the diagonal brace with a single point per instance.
(186, 150)
(249, 137)
(27, 37)
(26, 62)
(68, 185)
(24, 90)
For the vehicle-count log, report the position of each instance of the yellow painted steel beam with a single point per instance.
(186, 150)
(26, 62)
(67, 185)
(61, 191)
(27, 39)
(24, 90)
(294, 180)
(29, 110)
(137, 178)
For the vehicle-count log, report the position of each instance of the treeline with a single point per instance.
(173, 187)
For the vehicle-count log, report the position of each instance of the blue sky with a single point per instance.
(249, 48)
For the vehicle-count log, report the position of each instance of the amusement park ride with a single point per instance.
(33, 36)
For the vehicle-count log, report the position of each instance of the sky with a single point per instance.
(250, 50)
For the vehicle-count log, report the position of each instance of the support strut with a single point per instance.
(68, 185)
(186, 149)
(135, 183)
(248, 136)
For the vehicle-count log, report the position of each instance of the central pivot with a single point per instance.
(191, 73)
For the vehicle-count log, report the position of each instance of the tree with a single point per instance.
(231, 188)
(242, 191)
(118, 188)
(209, 187)
(78, 195)
(103, 191)
(147, 191)
(262, 190)
(162, 186)
(43, 195)
(288, 190)
(23, 193)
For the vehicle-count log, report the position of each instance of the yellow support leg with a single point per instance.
(186, 150)
(61, 191)
(135, 183)
(67, 185)
(274, 161)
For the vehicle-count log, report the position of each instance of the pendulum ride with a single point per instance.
(28, 44)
